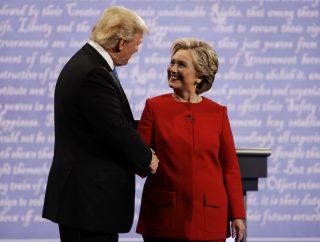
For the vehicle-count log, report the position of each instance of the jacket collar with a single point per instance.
(88, 48)
(102, 52)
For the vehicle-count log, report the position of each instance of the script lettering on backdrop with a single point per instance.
(37, 38)
(268, 78)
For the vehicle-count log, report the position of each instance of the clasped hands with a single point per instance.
(154, 163)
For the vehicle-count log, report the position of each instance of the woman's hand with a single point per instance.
(238, 228)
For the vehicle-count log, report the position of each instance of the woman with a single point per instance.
(197, 188)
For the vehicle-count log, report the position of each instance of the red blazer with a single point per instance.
(197, 188)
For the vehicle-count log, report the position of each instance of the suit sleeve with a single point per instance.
(101, 106)
(145, 128)
(231, 169)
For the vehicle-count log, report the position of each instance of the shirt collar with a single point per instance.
(103, 53)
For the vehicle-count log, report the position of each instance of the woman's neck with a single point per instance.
(186, 97)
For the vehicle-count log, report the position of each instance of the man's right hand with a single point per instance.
(154, 163)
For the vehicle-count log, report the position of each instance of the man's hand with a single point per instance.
(154, 163)
(238, 228)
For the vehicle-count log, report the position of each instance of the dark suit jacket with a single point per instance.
(97, 149)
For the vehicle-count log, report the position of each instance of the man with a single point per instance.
(90, 190)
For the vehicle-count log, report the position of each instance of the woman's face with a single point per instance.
(181, 72)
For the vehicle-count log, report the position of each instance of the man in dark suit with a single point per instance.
(91, 185)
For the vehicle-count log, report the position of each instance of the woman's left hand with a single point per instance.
(238, 228)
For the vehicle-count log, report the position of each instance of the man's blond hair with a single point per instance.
(117, 23)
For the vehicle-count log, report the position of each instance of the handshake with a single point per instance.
(154, 163)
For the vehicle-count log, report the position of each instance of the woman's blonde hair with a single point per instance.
(205, 60)
(117, 23)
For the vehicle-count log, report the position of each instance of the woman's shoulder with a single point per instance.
(213, 104)
(160, 99)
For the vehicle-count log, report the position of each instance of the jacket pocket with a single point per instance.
(158, 209)
(215, 213)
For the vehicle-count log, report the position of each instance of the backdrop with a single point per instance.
(269, 79)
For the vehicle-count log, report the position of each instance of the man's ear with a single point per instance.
(121, 44)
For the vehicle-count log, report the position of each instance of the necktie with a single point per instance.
(115, 72)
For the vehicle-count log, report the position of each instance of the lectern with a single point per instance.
(253, 165)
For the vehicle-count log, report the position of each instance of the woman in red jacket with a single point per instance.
(197, 189)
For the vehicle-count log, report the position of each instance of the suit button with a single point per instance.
(189, 117)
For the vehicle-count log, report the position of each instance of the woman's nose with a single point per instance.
(173, 68)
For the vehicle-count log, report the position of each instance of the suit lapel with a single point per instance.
(123, 98)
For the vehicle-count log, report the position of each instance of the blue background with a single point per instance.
(269, 79)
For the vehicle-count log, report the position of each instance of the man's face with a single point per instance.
(128, 48)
